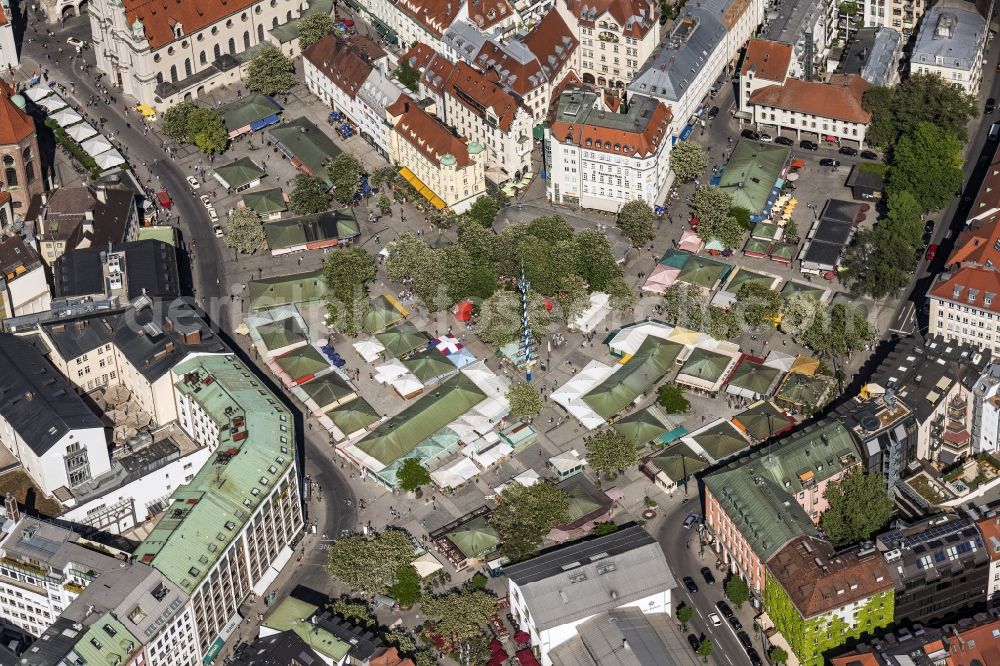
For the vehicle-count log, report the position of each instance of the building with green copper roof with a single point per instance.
(239, 175)
(752, 172)
(654, 359)
(269, 203)
(312, 232)
(301, 141)
(767, 498)
(271, 292)
(162, 233)
(242, 114)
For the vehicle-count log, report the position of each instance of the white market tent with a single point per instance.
(454, 473)
(66, 117)
(369, 350)
(570, 395)
(396, 375)
(37, 93)
(526, 478)
(488, 457)
(53, 103)
(82, 131)
(587, 321)
(96, 145)
(109, 159)
(629, 339)
(426, 565)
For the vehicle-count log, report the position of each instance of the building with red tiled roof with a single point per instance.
(617, 36)
(601, 159)
(829, 111)
(989, 527)
(968, 641)
(163, 51)
(987, 204)
(765, 63)
(965, 306)
(446, 169)
(812, 587)
(21, 170)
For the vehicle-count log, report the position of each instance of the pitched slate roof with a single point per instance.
(591, 576)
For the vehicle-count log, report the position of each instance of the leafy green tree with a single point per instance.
(498, 318)
(635, 221)
(474, 651)
(355, 612)
(387, 176)
(402, 639)
(921, 98)
(791, 231)
(369, 564)
(308, 195)
(726, 230)
(610, 452)
(313, 28)
(804, 319)
(550, 228)
(705, 649)
(478, 241)
(479, 581)
(857, 507)
(849, 329)
(742, 216)
(593, 259)
(671, 398)
(384, 203)
(525, 402)
(605, 528)
(684, 305)
(345, 173)
(483, 210)
(572, 296)
(270, 72)
(927, 162)
(777, 655)
(711, 205)
(408, 76)
(688, 159)
(245, 233)
(207, 130)
(424, 658)
(737, 591)
(878, 262)
(722, 324)
(411, 475)
(620, 296)
(406, 588)
(757, 304)
(684, 615)
(525, 515)
(461, 615)
(407, 256)
(175, 120)
(347, 274)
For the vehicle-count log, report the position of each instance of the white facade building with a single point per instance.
(552, 594)
(951, 44)
(598, 158)
(899, 15)
(830, 111)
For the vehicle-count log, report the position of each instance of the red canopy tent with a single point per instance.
(522, 638)
(463, 310)
(526, 657)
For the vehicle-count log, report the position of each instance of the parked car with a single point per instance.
(829, 162)
(725, 609)
(78, 43)
(869, 155)
(193, 182)
(991, 105)
(689, 583)
(808, 145)
(715, 619)
(744, 640)
(735, 623)
(212, 215)
(766, 138)
(205, 201)
(754, 657)
(847, 150)
(691, 520)
(694, 642)
(218, 231)
(784, 141)
(931, 252)
(706, 573)
(713, 112)
(750, 134)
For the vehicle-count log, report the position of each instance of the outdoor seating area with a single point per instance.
(90, 145)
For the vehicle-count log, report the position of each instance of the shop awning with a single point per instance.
(830, 137)
(424, 191)
(264, 122)
(145, 110)
(743, 115)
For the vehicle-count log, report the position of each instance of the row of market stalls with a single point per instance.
(826, 244)
(86, 136)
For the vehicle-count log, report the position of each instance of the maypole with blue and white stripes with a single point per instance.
(527, 343)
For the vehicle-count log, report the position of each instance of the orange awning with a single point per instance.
(419, 186)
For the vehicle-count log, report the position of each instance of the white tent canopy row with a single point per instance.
(53, 103)
(66, 117)
(109, 159)
(629, 339)
(526, 478)
(95, 146)
(82, 131)
(454, 473)
(487, 457)
(398, 376)
(570, 395)
(427, 564)
(369, 350)
(587, 321)
(37, 93)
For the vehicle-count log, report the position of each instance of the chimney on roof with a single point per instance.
(765, 56)
(10, 505)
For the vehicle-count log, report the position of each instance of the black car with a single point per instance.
(991, 105)
(750, 134)
(808, 145)
(706, 573)
(713, 112)
(754, 657)
(694, 641)
(826, 161)
(869, 155)
(724, 608)
(735, 624)
(784, 141)
(744, 640)
(927, 237)
(847, 150)
(690, 584)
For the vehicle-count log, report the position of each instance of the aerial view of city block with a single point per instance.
(499, 333)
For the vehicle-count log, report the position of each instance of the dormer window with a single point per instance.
(178, 30)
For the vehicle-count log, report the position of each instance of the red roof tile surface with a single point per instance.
(427, 134)
(616, 141)
(436, 73)
(635, 17)
(970, 286)
(158, 17)
(493, 57)
(551, 41)
(990, 528)
(839, 99)
(346, 65)
(477, 93)
(15, 124)
(979, 246)
(419, 56)
(435, 15)
(485, 14)
(769, 60)
(987, 203)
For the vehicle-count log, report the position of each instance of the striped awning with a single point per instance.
(419, 186)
